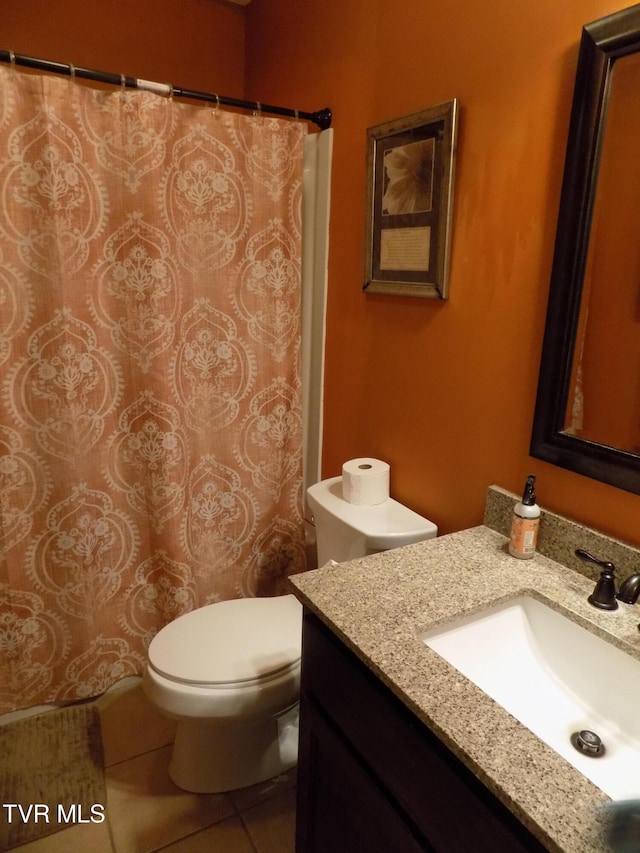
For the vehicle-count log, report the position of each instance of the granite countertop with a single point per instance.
(380, 605)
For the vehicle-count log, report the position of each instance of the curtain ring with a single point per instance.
(170, 85)
(217, 106)
(12, 60)
(72, 70)
(123, 81)
(296, 116)
(258, 110)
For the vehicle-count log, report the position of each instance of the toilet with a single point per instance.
(229, 673)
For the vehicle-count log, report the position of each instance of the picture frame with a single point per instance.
(410, 174)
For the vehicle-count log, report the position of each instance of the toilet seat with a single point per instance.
(231, 643)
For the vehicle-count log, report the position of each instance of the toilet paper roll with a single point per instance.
(365, 482)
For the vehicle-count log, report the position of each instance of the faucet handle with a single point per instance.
(604, 594)
(589, 558)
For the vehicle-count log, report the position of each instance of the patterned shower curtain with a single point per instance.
(150, 399)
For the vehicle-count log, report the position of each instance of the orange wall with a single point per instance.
(444, 392)
(196, 44)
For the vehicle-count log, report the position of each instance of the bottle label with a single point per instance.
(524, 535)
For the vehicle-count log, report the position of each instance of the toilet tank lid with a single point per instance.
(385, 525)
(230, 641)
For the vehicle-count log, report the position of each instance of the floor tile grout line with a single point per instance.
(169, 844)
(137, 755)
(247, 833)
(112, 838)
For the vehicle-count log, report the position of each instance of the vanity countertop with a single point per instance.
(380, 605)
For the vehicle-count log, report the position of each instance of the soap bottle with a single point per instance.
(525, 523)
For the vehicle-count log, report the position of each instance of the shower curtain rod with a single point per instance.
(321, 117)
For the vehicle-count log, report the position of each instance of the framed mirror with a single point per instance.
(587, 416)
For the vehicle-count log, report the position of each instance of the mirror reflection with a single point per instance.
(604, 394)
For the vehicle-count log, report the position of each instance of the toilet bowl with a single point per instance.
(229, 673)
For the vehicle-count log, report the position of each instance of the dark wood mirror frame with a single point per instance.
(602, 43)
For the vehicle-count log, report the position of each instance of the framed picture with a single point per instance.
(410, 170)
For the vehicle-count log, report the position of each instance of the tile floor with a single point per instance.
(146, 812)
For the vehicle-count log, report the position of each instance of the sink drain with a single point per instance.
(588, 743)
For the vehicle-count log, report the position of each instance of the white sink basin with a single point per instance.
(556, 678)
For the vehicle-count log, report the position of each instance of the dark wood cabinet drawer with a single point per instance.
(346, 808)
(443, 806)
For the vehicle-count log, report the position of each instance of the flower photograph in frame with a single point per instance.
(410, 170)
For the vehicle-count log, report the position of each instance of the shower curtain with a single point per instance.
(150, 396)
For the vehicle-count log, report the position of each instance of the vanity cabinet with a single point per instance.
(372, 777)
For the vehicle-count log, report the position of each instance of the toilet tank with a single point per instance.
(345, 531)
